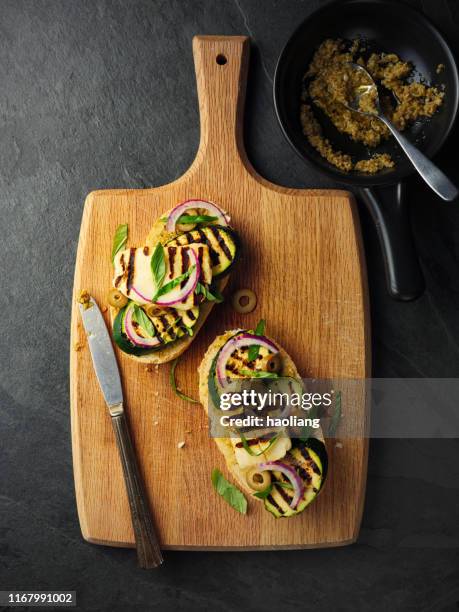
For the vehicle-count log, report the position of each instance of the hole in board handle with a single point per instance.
(221, 59)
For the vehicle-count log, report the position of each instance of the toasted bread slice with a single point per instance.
(225, 445)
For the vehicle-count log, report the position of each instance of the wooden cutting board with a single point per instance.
(303, 258)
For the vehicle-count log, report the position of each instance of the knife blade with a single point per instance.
(103, 355)
(108, 375)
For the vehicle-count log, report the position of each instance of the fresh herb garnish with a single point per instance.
(255, 349)
(119, 239)
(251, 452)
(144, 321)
(264, 494)
(260, 328)
(210, 296)
(186, 219)
(173, 283)
(258, 374)
(158, 266)
(284, 485)
(229, 492)
(336, 417)
(174, 385)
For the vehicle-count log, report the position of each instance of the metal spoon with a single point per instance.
(432, 175)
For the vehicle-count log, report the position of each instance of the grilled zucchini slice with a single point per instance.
(169, 326)
(222, 242)
(311, 470)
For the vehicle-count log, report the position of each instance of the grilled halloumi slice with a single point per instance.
(263, 450)
(134, 279)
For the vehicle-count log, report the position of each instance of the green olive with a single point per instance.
(274, 364)
(153, 311)
(244, 301)
(187, 227)
(116, 298)
(258, 480)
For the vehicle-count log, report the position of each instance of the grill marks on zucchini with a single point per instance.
(170, 325)
(219, 237)
(308, 466)
(220, 240)
(273, 503)
(239, 361)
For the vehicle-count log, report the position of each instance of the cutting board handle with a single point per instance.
(221, 64)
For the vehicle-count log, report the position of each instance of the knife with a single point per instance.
(106, 368)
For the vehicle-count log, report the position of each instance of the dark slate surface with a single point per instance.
(101, 94)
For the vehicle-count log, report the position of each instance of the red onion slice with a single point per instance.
(290, 472)
(134, 336)
(178, 211)
(241, 341)
(180, 294)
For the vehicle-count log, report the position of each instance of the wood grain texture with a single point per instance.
(303, 257)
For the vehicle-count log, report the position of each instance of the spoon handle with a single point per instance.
(432, 175)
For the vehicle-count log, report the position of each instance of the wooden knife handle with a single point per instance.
(148, 549)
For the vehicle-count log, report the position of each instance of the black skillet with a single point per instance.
(391, 27)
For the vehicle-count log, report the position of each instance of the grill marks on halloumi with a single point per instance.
(133, 269)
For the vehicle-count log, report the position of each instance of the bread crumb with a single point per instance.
(148, 368)
(180, 444)
(155, 422)
(338, 445)
(440, 68)
(188, 431)
(104, 309)
(85, 299)
(78, 346)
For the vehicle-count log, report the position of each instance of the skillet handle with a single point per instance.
(389, 210)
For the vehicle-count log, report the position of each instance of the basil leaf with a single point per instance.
(185, 219)
(229, 492)
(260, 328)
(264, 494)
(251, 452)
(255, 349)
(144, 321)
(336, 417)
(284, 485)
(173, 283)
(214, 296)
(158, 265)
(258, 374)
(174, 385)
(119, 239)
